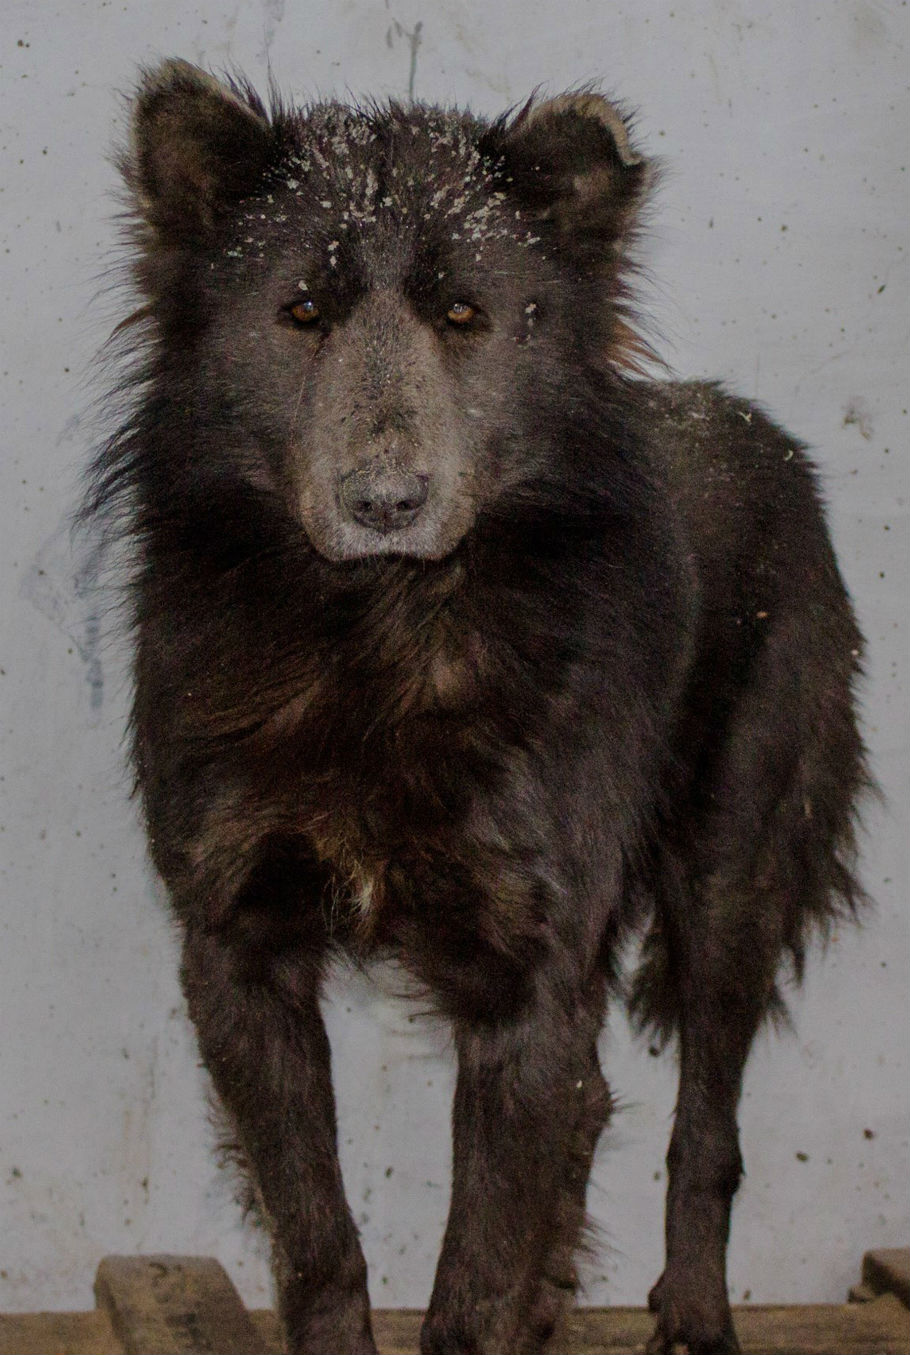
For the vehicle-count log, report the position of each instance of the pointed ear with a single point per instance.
(196, 145)
(569, 161)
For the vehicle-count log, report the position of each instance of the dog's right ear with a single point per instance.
(196, 145)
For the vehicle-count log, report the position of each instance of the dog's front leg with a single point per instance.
(529, 1105)
(263, 1040)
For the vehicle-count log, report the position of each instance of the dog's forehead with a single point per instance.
(380, 193)
(417, 166)
(335, 141)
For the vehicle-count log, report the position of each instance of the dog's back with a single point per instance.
(770, 763)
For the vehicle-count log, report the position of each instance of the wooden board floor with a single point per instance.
(187, 1306)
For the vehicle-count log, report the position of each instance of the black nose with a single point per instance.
(384, 499)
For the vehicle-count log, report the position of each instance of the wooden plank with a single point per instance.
(187, 1306)
(174, 1305)
(271, 1338)
(878, 1328)
(881, 1327)
(57, 1334)
(887, 1271)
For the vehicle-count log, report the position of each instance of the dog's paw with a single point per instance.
(687, 1319)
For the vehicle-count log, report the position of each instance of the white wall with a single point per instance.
(780, 264)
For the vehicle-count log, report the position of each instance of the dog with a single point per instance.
(461, 639)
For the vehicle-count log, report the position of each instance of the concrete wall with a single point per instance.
(778, 253)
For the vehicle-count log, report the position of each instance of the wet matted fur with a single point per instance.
(458, 640)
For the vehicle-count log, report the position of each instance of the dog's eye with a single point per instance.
(305, 312)
(460, 314)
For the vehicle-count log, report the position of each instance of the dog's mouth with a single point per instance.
(404, 515)
(347, 542)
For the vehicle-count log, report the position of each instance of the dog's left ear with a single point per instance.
(569, 162)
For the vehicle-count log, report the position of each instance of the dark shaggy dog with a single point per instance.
(459, 641)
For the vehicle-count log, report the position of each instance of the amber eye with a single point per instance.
(460, 314)
(305, 312)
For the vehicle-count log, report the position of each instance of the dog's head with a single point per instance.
(370, 314)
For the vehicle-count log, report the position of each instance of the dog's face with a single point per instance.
(374, 305)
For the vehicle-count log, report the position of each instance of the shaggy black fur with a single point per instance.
(458, 640)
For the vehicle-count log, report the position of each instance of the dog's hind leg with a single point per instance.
(725, 952)
(760, 857)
